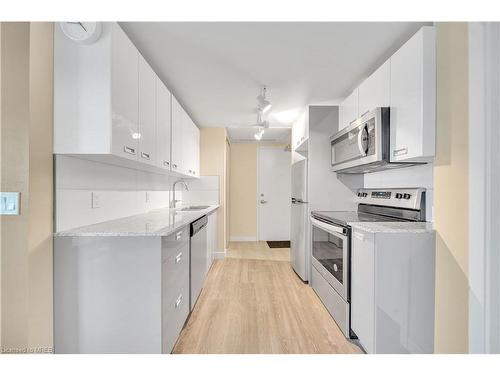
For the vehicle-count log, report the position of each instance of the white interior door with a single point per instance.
(273, 194)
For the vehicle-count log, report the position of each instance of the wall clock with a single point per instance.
(82, 32)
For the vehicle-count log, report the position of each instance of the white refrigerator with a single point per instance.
(299, 220)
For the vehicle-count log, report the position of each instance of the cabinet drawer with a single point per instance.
(174, 315)
(175, 273)
(170, 244)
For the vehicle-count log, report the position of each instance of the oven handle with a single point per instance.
(332, 229)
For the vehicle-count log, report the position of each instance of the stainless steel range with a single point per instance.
(331, 242)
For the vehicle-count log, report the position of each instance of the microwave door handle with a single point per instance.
(362, 148)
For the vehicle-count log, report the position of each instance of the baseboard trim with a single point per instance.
(219, 254)
(242, 238)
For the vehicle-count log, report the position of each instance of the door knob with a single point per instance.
(263, 201)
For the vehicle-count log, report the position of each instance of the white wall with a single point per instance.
(122, 192)
(409, 177)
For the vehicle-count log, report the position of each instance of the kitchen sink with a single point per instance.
(194, 208)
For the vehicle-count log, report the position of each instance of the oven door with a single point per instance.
(330, 255)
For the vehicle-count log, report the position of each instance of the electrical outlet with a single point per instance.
(96, 200)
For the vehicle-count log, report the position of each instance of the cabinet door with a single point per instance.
(147, 104)
(413, 97)
(196, 151)
(187, 145)
(348, 110)
(163, 124)
(177, 136)
(362, 288)
(375, 90)
(124, 95)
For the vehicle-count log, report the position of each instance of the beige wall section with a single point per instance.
(26, 166)
(451, 189)
(213, 162)
(40, 184)
(243, 187)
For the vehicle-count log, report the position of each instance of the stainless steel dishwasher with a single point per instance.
(198, 257)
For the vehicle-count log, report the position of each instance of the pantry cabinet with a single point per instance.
(349, 110)
(413, 98)
(110, 106)
(163, 131)
(375, 91)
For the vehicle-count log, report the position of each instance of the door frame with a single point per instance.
(484, 181)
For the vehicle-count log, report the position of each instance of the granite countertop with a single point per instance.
(161, 222)
(393, 227)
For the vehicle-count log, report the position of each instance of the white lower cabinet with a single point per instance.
(175, 286)
(211, 238)
(393, 290)
(362, 288)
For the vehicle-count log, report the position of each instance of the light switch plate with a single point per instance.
(9, 203)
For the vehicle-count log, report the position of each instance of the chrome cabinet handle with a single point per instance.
(178, 302)
(174, 165)
(263, 201)
(145, 155)
(166, 163)
(178, 235)
(400, 151)
(178, 257)
(129, 150)
(364, 113)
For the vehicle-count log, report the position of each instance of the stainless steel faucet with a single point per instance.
(174, 201)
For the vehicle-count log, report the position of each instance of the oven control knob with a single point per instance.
(407, 196)
(364, 195)
(359, 194)
(399, 195)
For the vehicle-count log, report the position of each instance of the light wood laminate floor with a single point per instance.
(259, 306)
(256, 250)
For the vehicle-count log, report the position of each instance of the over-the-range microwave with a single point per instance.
(364, 145)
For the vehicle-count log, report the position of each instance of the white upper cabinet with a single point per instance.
(124, 94)
(191, 142)
(109, 105)
(147, 115)
(163, 124)
(413, 98)
(349, 110)
(177, 136)
(375, 91)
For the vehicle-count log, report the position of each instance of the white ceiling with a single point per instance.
(216, 70)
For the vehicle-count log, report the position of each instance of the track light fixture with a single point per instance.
(264, 105)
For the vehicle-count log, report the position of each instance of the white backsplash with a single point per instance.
(121, 192)
(409, 177)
